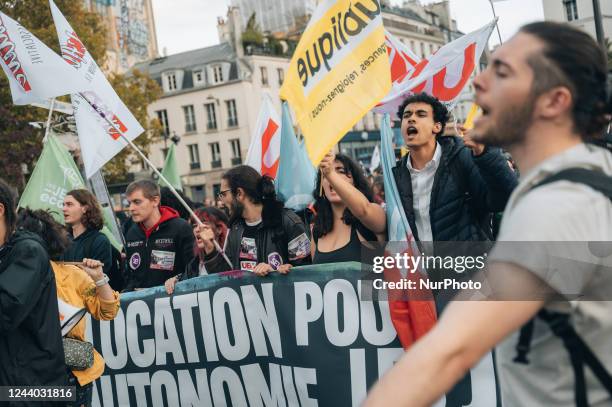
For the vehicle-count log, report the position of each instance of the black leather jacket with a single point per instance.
(286, 237)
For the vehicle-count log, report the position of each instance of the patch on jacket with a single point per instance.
(247, 265)
(275, 260)
(299, 247)
(135, 261)
(162, 260)
(164, 243)
(135, 244)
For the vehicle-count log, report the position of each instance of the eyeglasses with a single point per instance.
(221, 194)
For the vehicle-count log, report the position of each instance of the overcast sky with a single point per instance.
(183, 25)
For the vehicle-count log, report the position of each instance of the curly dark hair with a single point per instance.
(41, 223)
(324, 218)
(440, 112)
(92, 218)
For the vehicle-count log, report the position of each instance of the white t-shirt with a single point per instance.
(551, 214)
(422, 183)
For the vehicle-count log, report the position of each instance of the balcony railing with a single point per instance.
(215, 164)
(194, 166)
(236, 160)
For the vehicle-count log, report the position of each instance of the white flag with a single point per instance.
(264, 150)
(99, 141)
(403, 63)
(443, 74)
(69, 315)
(375, 162)
(35, 73)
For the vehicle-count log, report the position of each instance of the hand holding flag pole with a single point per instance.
(159, 174)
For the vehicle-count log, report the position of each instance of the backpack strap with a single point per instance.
(597, 180)
(579, 353)
(559, 323)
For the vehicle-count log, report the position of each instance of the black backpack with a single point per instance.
(559, 323)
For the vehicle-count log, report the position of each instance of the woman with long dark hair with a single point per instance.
(264, 236)
(216, 221)
(84, 287)
(346, 214)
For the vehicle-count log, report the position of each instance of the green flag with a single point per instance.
(170, 171)
(54, 175)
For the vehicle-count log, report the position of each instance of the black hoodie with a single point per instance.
(31, 350)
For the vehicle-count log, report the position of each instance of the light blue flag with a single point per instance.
(296, 177)
(398, 227)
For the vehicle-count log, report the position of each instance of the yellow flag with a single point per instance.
(339, 71)
(469, 122)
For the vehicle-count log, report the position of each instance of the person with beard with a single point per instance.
(159, 244)
(31, 348)
(264, 236)
(544, 100)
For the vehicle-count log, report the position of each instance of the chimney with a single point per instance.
(235, 20)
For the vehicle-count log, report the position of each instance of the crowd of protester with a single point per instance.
(453, 188)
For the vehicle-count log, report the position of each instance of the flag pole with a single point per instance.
(496, 22)
(159, 174)
(51, 104)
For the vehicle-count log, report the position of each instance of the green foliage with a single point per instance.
(252, 34)
(20, 143)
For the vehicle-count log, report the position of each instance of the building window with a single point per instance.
(232, 116)
(422, 50)
(190, 123)
(194, 156)
(264, 75)
(281, 76)
(216, 189)
(431, 49)
(211, 116)
(571, 10)
(236, 155)
(215, 153)
(198, 77)
(217, 74)
(171, 81)
(412, 46)
(162, 116)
